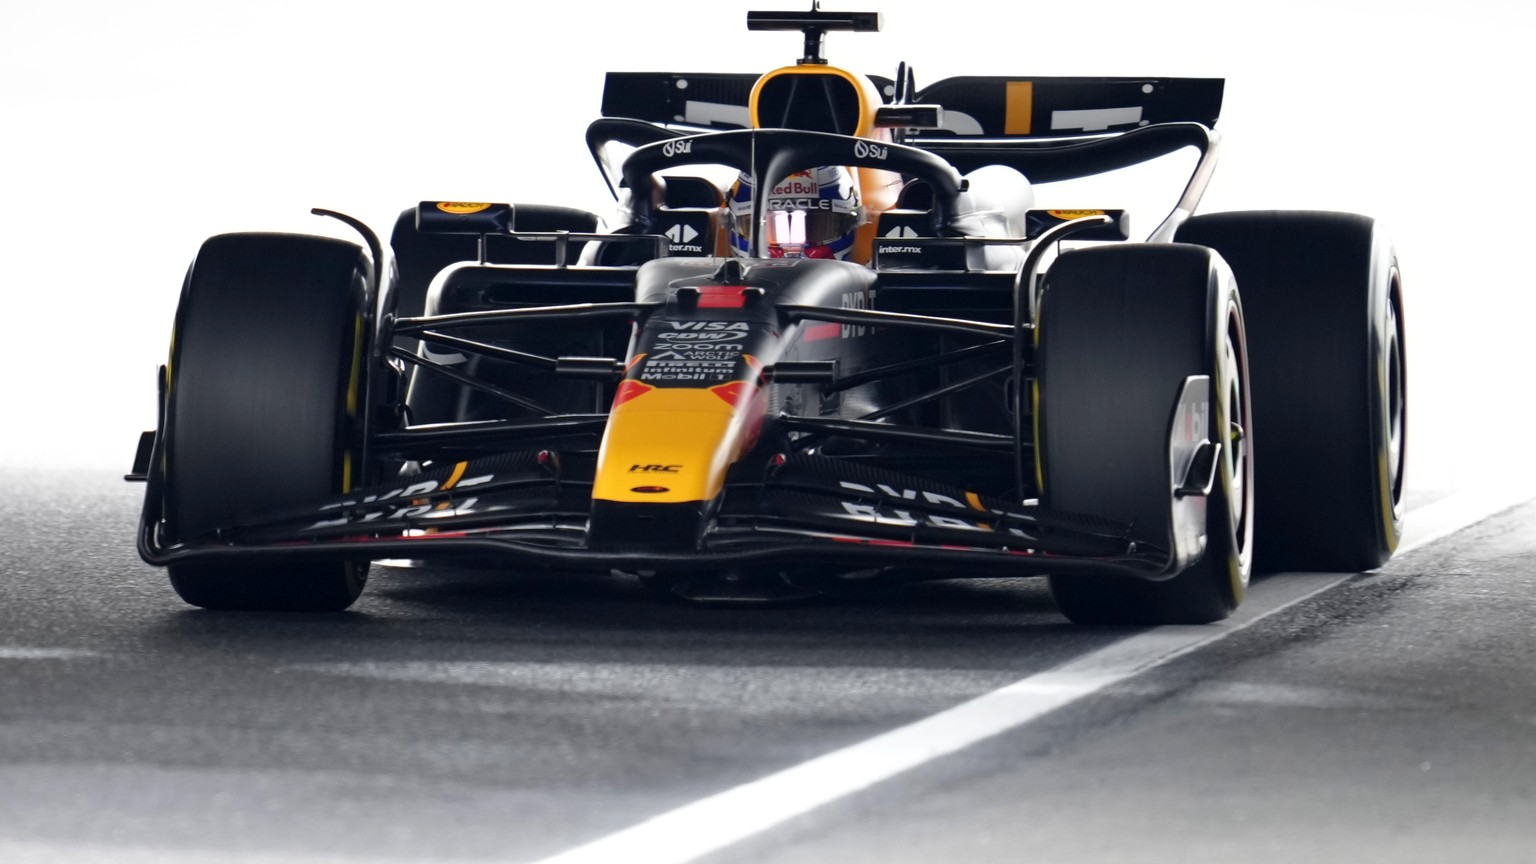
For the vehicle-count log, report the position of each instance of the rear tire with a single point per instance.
(1120, 329)
(265, 387)
(1324, 299)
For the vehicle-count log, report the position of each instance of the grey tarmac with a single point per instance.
(472, 715)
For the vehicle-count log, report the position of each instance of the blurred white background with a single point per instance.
(134, 130)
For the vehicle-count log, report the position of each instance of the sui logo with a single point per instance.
(866, 150)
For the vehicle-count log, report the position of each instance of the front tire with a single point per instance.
(265, 387)
(1120, 329)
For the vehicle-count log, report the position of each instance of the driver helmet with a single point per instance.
(809, 214)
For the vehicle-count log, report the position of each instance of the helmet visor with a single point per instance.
(797, 227)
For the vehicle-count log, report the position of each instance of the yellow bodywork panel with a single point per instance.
(1020, 110)
(674, 444)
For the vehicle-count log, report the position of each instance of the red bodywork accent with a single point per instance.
(629, 390)
(777, 251)
(734, 392)
(739, 393)
(722, 296)
(873, 541)
(823, 331)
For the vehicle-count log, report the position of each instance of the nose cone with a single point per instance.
(664, 458)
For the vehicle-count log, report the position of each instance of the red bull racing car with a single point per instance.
(825, 341)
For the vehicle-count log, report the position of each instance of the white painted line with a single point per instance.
(17, 652)
(40, 852)
(709, 824)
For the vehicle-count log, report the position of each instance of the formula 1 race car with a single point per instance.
(858, 358)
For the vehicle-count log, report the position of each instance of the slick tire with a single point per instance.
(1120, 329)
(1324, 301)
(265, 381)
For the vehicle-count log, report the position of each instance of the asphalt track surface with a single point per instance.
(476, 716)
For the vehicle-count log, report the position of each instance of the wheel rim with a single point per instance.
(1235, 446)
(1396, 399)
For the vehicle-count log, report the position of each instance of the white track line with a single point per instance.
(24, 852)
(19, 652)
(704, 826)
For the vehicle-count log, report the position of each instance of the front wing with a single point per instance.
(532, 509)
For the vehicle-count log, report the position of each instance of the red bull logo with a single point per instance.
(795, 186)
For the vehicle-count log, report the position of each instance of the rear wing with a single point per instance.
(996, 107)
(974, 106)
(710, 101)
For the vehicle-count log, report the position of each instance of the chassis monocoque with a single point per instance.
(971, 398)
